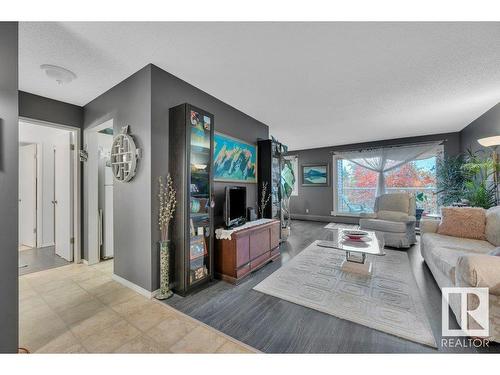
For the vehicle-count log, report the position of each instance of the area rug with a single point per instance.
(341, 226)
(388, 301)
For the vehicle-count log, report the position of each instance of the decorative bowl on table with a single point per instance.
(355, 235)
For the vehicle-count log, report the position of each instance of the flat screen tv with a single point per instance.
(235, 206)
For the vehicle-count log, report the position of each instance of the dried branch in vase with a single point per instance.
(264, 200)
(167, 202)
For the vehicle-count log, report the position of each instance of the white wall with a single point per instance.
(42, 135)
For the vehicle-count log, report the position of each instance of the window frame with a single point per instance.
(335, 211)
(335, 208)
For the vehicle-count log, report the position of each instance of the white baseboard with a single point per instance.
(136, 288)
(311, 217)
(327, 219)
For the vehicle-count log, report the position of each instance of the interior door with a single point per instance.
(27, 195)
(63, 193)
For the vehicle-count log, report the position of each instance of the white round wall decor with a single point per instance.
(124, 156)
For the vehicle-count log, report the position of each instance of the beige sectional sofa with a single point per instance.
(464, 262)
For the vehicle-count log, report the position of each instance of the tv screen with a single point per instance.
(236, 205)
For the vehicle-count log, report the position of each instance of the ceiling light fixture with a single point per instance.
(59, 74)
(490, 141)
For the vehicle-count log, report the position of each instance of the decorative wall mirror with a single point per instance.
(124, 156)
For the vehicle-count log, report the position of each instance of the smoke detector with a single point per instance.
(58, 74)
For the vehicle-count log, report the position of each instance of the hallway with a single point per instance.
(80, 309)
(39, 259)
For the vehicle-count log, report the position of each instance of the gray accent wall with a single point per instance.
(9, 313)
(143, 102)
(486, 125)
(319, 200)
(129, 103)
(169, 91)
(44, 109)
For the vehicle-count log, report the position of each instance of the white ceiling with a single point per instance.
(314, 84)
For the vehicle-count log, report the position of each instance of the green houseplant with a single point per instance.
(450, 179)
(480, 186)
(467, 178)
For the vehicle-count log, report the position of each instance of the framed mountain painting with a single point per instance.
(315, 175)
(234, 160)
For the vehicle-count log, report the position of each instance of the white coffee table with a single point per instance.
(355, 251)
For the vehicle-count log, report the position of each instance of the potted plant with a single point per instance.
(167, 201)
(421, 199)
(264, 200)
(467, 180)
(480, 184)
(450, 179)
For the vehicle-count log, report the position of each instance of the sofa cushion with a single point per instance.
(458, 244)
(445, 260)
(399, 202)
(464, 222)
(479, 271)
(444, 251)
(392, 215)
(493, 225)
(382, 225)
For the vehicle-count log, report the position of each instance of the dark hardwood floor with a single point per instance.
(273, 325)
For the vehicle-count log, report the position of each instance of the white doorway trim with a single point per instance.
(39, 197)
(91, 191)
(28, 176)
(76, 141)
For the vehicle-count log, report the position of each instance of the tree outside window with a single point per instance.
(357, 186)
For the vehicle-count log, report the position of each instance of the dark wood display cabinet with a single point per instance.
(191, 153)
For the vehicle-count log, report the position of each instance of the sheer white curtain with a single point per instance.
(382, 160)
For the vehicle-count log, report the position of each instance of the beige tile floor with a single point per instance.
(80, 309)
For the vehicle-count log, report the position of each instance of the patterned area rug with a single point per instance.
(387, 301)
(341, 226)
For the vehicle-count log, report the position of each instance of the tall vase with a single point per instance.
(165, 291)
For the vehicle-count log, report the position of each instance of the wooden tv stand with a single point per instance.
(248, 250)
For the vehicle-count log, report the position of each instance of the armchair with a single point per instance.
(394, 217)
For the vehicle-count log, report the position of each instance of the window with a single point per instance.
(355, 186)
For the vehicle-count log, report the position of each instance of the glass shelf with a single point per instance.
(199, 211)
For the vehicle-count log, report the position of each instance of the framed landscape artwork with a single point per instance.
(315, 175)
(234, 160)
